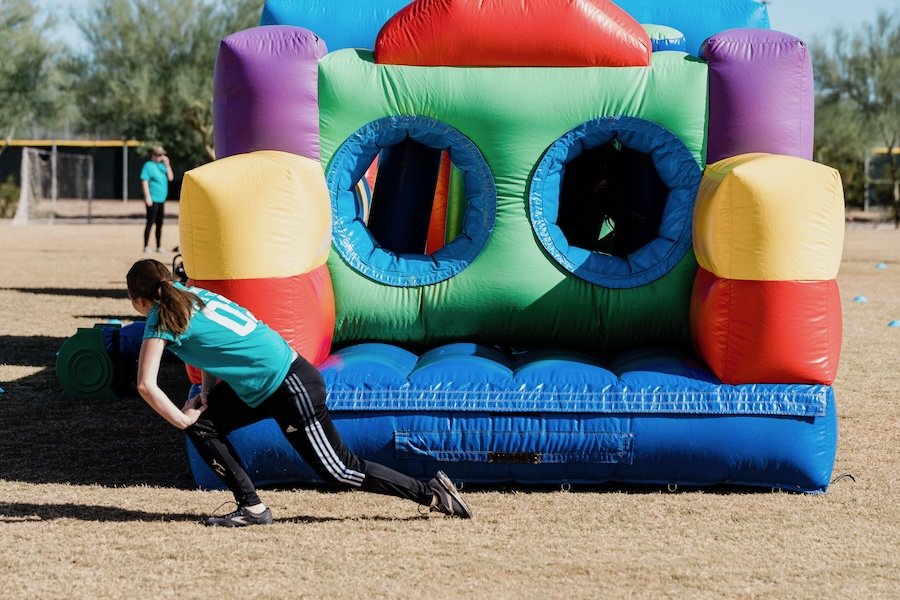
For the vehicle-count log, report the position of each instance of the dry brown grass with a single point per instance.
(96, 499)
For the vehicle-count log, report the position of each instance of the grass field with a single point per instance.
(96, 498)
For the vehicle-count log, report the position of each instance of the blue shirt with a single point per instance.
(157, 177)
(227, 341)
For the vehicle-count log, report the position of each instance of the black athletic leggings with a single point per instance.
(155, 214)
(298, 406)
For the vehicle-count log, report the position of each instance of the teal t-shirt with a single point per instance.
(155, 174)
(227, 341)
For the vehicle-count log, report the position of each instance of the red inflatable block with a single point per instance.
(300, 308)
(500, 33)
(437, 226)
(193, 374)
(767, 331)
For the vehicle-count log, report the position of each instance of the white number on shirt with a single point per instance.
(229, 317)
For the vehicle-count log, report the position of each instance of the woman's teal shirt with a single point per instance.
(156, 176)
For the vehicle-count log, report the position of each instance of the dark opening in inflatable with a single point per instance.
(417, 199)
(611, 200)
(430, 210)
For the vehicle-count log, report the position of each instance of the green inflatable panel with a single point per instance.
(86, 370)
(515, 286)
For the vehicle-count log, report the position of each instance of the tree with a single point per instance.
(840, 144)
(25, 67)
(147, 70)
(859, 71)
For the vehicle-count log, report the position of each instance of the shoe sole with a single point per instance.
(213, 522)
(448, 485)
(232, 524)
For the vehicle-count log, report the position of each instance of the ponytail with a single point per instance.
(151, 280)
(176, 307)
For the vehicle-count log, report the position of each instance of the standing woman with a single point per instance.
(155, 177)
(260, 376)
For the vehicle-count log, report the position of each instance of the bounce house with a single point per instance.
(542, 242)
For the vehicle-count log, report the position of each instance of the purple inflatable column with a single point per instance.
(760, 94)
(265, 91)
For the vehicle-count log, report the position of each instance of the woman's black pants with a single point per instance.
(155, 214)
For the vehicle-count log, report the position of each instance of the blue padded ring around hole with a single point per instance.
(352, 239)
(678, 170)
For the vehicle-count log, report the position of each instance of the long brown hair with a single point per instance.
(151, 280)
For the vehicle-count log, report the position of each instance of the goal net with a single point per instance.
(54, 184)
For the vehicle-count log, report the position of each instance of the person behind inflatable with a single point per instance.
(259, 376)
(155, 177)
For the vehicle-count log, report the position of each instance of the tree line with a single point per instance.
(145, 72)
(857, 73)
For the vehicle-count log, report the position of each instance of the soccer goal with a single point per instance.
(51, 180)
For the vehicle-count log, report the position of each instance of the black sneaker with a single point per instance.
(240, 518)
(449, 501)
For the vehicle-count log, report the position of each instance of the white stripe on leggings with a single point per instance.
(337, 469)
(295, 385)
(319, 440)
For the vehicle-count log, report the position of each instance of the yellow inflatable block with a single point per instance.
(255, 215)
(766, 217)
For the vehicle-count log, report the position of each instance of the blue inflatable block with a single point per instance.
(650, 416)
(344, 24)
(698, 20)
(356, 23)
(126, 341)
(670, 45)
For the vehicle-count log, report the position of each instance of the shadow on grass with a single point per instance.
(101, 218)
(88, 293)
(22, 512)
(307, 519)
(29, 350)
(616, 487)
(125, 319)
(26, 512)
(46, 437)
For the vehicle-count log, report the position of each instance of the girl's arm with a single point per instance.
(207, 382)
(148, 370)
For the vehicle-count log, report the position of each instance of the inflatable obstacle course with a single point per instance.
(565, 244)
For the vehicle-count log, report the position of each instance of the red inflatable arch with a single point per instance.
(499, 33)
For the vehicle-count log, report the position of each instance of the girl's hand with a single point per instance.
(198, 402)
(192, 409)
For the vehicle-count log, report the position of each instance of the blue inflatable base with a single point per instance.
(652, 416)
